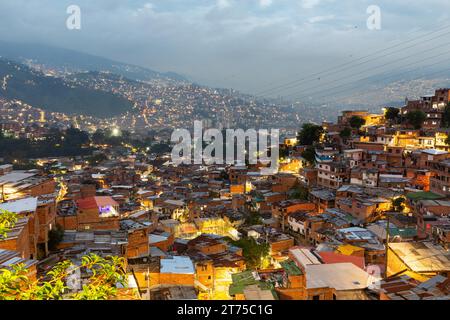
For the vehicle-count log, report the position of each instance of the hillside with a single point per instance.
(74, 61)
(53, 94)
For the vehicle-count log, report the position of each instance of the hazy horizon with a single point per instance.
(256, 46)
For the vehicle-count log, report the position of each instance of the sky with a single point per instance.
(250, 45)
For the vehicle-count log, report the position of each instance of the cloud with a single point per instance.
(309, 4)
(265, 3)
(321, 18)
(211, 40)
(223, 4)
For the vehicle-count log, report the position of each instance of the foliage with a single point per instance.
(71, 142)
(345, 133)
(357, 122)
(7, 221)
(105, 274)
(284, 152)
(161, 147)
(147, 144)
(416, 118)
(253, 252)
(399, 204)
(96, 159)
(55, 236)
(447, 141)
(310, 134)
(392, 114)
(446, 117)
(310, 155)
(299, 193)
(253, 219)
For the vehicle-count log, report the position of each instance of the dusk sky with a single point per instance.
(245, 44)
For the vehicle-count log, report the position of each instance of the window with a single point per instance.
(316, 298)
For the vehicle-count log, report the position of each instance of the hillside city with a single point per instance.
(358, 210)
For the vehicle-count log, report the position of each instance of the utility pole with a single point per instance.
(3, 194)
(148, 280)
(148, 265)
(387, 244)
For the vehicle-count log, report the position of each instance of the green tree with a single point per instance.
(75, 137)
(105, 274)
(160, 148)
(309, 155)
(299, 192)
(55, 237)
(345, 133)
(357, 122)
(399, 204)
(416, 118)
(446, 117)
(253, 219)
(96, 159)
(7, 221)
(392, 114)
(284, 152)
(310, 134)
(253, 252)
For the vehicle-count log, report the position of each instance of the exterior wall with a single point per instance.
(164, 245)
(281, 246)
(291, 293)
(320, 294)
(176, 279)
(90, 220)
(21, 244)
(237, 189)
(204, 272)
(296, 226)
(137, 243)
(47, 187)
(47, 220)
(67, 222)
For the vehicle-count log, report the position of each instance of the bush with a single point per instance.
(55, 237)
(416, 118)
(357, 122)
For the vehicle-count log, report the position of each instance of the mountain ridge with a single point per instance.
(76, 61)
(17, 81)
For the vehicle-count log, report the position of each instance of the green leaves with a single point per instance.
(253, 252)
(7, 221)
(105, 275)
(399, 204)
(446, 117)
(357, 122)
(416, 118)
(310, 134)
(392, 114)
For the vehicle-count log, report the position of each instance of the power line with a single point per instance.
(412, 32)
(364, 93)
(351, 63)
(364, 71)
(386, 55)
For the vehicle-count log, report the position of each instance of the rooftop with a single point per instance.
(19, 206)
(422, 257)
(340, 276)
(177, 265)
(416, 196)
